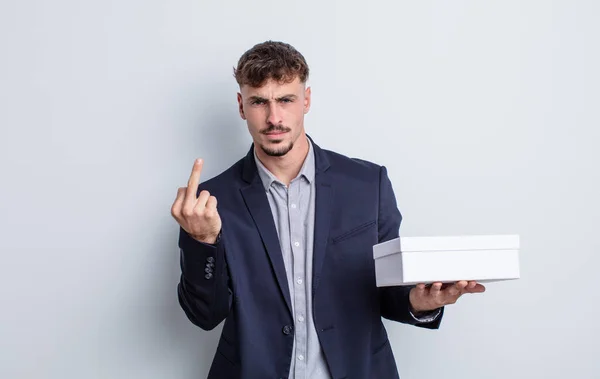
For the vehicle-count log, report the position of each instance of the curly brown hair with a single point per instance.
(270, 60)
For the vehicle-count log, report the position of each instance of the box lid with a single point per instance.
(452, 243)
(386, 248)
(446, 243)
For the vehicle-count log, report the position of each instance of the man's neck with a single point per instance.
(287, 167)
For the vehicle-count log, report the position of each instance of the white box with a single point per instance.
(412, 260)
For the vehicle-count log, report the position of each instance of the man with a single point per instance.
(286, 256)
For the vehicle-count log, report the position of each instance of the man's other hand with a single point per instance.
(429, 297)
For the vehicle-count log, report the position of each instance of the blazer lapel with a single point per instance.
(258, 205)
(323, 204)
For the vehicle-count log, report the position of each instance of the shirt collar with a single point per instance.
(307, 170)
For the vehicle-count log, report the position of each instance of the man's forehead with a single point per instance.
(272, 88)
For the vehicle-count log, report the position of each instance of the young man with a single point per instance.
(286, 256)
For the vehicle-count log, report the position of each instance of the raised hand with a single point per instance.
(197, 216)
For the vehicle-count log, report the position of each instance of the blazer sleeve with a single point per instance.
(204, 289)
(394, 300)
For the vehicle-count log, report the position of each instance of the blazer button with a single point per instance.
(210, 260)
(208, 276)
(288, 329)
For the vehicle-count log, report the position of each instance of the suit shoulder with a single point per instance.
(356, 166)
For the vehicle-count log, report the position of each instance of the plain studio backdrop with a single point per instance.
(485, 113)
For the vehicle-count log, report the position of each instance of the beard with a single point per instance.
(276, 151)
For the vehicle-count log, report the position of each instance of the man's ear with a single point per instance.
(241, 106)
(307, 93)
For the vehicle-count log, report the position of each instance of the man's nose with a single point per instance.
(274, 115)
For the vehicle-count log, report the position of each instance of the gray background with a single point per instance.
(485, 113)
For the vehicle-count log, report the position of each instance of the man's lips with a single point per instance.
(275, 134)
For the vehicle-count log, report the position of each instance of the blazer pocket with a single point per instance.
(352, 232)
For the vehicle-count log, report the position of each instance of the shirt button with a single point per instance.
(301, 357)
(294, 206)
(300, 318)
(296, 244)
(299, 281)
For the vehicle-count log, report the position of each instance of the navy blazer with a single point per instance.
(242, 278)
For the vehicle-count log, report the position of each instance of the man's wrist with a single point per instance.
(423, 315)
(418, 311)
(414, 310)
(207, 240)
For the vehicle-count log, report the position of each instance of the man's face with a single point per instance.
(275, 114)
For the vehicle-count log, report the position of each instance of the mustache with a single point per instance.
(275, 128)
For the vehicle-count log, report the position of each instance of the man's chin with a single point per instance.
(277, 148)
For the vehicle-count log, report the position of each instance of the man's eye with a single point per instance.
(286, 100)
(258, 102)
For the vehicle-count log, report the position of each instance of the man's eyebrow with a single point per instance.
(290, 96)
(260, 98)
(256, 97)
